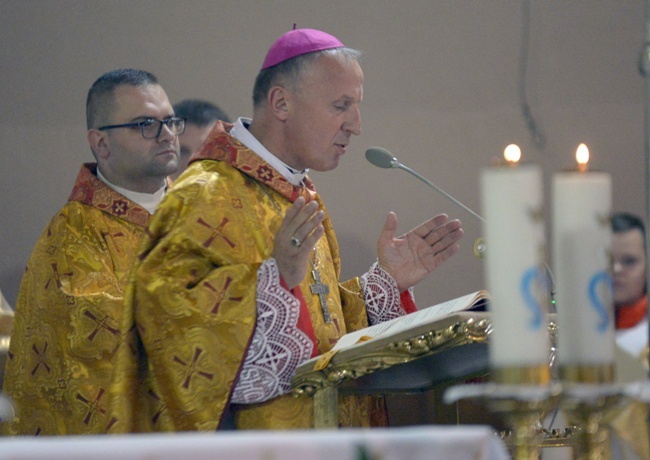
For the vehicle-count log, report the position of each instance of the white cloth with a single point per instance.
(413, 443)
(633, 340)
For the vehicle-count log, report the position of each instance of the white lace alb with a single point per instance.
(279, 347)
(381, 295)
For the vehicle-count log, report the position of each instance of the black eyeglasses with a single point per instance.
(151, 128)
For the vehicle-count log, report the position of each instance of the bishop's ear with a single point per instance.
(279, 101)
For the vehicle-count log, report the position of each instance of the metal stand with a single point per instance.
(523, 406)
(589, 407)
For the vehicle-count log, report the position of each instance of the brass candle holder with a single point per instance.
(591, 401)
(591, 408)
(523, 396)
(524, 406)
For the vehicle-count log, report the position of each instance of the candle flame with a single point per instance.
(582, 157)
(512, 153)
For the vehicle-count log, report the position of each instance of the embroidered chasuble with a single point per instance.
(68, 312)
(191, 304)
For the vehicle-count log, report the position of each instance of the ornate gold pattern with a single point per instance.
(68, 312)
(466, 331)
(197, 271)
(91, 191)
(221, 147)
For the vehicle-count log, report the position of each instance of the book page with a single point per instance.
(403, 323)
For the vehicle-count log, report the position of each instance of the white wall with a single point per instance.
(441, 92)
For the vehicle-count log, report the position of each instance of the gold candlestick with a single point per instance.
(523, 406)
(591, 408)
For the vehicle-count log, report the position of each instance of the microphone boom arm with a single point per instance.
(437, 189)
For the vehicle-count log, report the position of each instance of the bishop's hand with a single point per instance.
(298, 234)
(412, 256)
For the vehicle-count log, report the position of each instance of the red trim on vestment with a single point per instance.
(304, 320)
(408, 304)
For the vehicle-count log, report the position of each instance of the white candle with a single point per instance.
(511, 199)
(582, 203)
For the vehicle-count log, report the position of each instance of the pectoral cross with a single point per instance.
(321, 289)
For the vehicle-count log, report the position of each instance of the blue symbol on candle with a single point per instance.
(600, 278)
(527, 285)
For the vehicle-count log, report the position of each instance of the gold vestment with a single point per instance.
(67, 318)
(192, 298)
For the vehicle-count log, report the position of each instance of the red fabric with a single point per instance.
(408, 304)
(628, 316)
(304, 321)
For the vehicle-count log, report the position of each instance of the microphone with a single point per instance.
(382, 158)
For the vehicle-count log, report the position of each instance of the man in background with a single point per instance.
(631, 312)
(69, 306)
(200, 117)
(629, 273)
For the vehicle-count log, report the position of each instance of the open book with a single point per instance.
(357, 344)
(474, 301)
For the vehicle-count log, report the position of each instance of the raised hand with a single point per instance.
(300, 230)
(412, 256)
